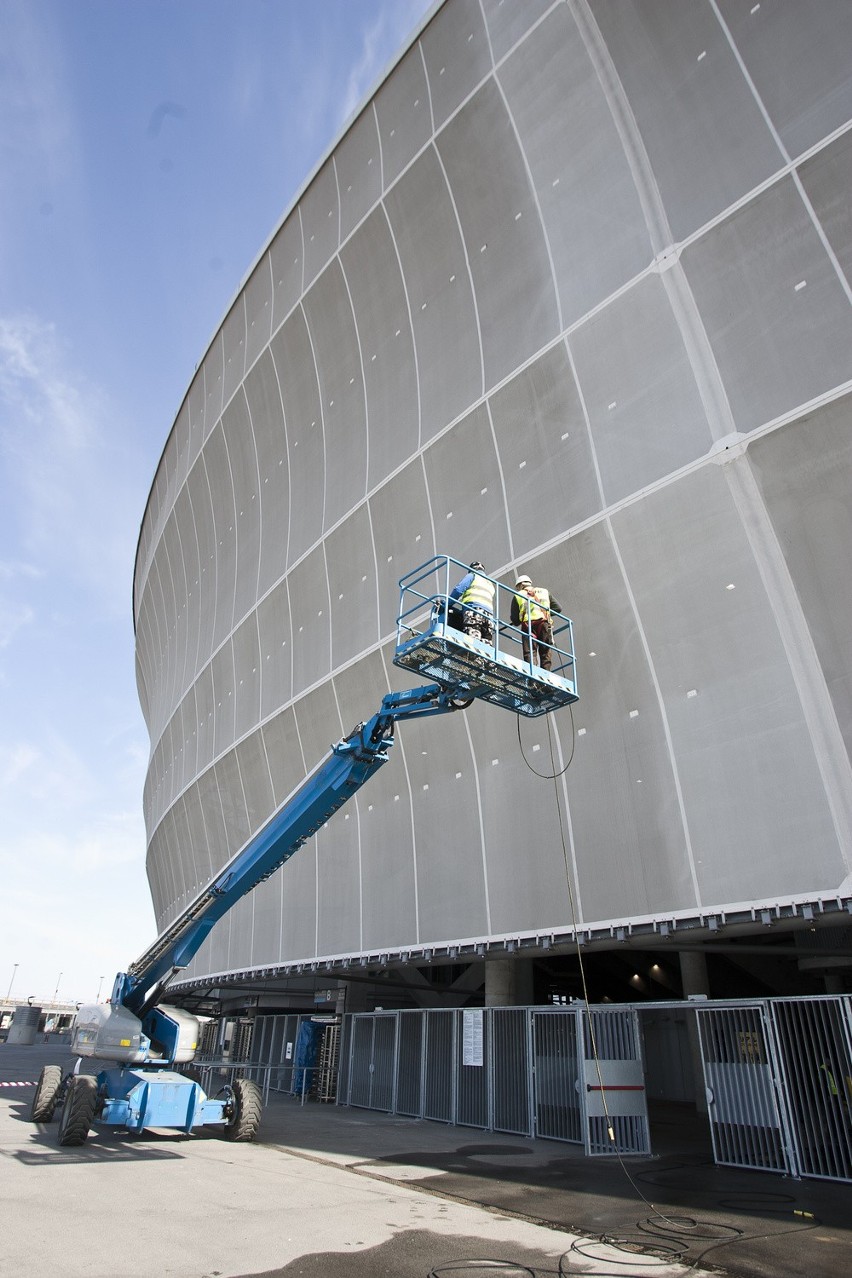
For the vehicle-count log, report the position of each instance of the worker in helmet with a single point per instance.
(530, 612)
(475, 595)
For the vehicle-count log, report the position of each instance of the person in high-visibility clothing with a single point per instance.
(530, 612)
(475, 595)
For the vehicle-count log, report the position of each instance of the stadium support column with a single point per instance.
(508, 982)
(693, 974)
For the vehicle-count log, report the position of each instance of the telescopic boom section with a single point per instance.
(351, 762)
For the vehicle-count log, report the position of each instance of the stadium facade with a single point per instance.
(570, 295)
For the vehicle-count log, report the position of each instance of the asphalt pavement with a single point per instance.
(327, 1191)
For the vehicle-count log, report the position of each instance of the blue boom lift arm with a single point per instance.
(352, 762)
(143, 1038)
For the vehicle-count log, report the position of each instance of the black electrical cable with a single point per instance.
(673, 1235)
(554, 776)
(544, 776)
(483, 1265)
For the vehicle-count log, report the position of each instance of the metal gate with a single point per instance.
(814, 1038)
(558, 1102)
(612, 1087)
(740, 1067)
(511, 1106)
(371, 1063)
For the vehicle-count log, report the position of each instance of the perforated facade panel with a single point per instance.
(571, 294)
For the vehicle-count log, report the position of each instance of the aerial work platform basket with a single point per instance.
(495, 671)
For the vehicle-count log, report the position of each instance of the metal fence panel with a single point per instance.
(344, 1061)
(472, 1050)
(778, 1075)
(361, 1061)
(612, 1083)
(556, 1075)
(409, 1064)
(745, 1121)
(510, 1070)
(438, 1101)
(382, 1064)
(815, 1046)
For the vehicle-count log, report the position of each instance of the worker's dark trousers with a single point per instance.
(542, 635)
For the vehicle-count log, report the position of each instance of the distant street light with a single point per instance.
(15, 967)
(100, 983)
(56, 991)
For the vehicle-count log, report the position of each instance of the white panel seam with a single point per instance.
(536, 202)
(363, 381)
(502, 481)
(357, 809)
(330, 626)
(411, 329)
(827, 742)
(381, 153)
(652, 670)
(400, 745)
(236, 530)
(482, 841)
(214, 572)
(182, 684)
(375, 567)
(428, 89)
(321, 415)
(289, 469)
(339, 215)
(259, 499)
(776, 136)
(469, 270)
(628, 131)
(699, 352)
(576, 891)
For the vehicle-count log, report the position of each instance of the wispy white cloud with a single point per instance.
(39, 394)
(46, 776)
(34, 115)
(14, 617)
(14, 763)
(106, 844)
(66, 478)
(38, 137)
(380, 42)
(10, 569)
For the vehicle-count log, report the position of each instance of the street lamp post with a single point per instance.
(56, 991)
(100, 983)
(15, 967)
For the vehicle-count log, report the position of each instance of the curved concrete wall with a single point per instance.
(572, 293)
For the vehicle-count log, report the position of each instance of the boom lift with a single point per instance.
(142, 1039)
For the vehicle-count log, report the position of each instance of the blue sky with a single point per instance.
(148, 150)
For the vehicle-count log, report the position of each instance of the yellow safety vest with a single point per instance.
(479, 594)
(538, 604)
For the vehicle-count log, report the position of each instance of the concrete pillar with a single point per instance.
(508, 982)
(693, 974)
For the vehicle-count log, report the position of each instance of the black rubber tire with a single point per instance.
(47, 1090)
(81, 1101)
(244, 1108)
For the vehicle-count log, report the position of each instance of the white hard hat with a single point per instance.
(524, 581)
